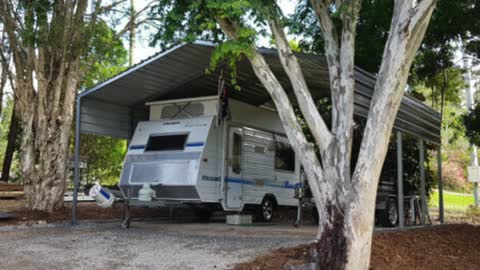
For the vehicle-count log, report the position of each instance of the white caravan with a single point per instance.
(188, 156)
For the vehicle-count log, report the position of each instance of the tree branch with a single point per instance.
(320, 186)
(6, 62)
(7, 17)
(408, 28)
(131, 23)
(343, 99)
(308, 107)
(340, 56)
(330, 35)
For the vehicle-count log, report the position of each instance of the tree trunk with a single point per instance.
(330, 249)
(11, 145)
(345, 202)
(131, 30)
(45, 175)
(3, 83)
(442, 96)
(409, 24)
(46, 52)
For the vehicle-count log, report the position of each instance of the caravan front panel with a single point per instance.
(166, 154)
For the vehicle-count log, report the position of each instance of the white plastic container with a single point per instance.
(103, 197)
(146, 193)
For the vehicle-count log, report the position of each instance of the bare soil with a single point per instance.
(86, 211)
(89, 211)
(437, 247)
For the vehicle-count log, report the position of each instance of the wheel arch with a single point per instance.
(270, 196)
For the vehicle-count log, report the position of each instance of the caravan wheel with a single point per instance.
(390, 214)
(266, 209)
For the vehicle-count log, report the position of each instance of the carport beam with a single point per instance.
(400, 180)
(76, 177)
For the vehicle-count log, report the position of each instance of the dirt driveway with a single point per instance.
(146, 245)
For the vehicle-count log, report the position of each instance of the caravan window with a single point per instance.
(166, 142)
(284, 155)
(237, 153)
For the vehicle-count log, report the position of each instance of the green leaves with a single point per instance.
(229, 53)
(471, 120)
(187, 21)
(104, 157)
(107, 53)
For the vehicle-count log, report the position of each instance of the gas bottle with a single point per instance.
(146, 193)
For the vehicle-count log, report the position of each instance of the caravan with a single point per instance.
(188, 156)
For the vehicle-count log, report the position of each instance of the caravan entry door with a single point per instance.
(234, 171)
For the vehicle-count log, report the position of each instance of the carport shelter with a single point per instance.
(114, 107)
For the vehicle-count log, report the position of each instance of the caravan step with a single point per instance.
(238, 219)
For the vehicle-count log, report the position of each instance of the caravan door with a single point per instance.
(234, 172)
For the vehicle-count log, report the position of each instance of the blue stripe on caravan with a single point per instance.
(240, 181)
(269, 184)
(135, 147)
(286, 184)
(194, 144)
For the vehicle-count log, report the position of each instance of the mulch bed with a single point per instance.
(438, 247)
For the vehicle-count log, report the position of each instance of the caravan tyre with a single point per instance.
(266, 209)
(315, 217)
(390, 214)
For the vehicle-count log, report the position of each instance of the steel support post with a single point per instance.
(423, 194)
(401, 220)
(441, 214)
(76, 177)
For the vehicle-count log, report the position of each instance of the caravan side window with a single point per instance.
(166, 142)
(284, 155)
(237, 153)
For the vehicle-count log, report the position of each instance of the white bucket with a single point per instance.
(103, 197)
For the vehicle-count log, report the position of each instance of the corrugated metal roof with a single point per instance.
(181, 72)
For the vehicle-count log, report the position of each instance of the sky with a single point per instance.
(143, 50)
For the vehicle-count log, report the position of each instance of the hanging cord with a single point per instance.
(220, 94)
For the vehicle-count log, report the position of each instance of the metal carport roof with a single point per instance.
(115, 106)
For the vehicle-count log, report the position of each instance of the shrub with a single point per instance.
(473, 214)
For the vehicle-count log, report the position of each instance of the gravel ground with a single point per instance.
(144, 246)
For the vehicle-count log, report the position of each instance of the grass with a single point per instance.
(454, 202)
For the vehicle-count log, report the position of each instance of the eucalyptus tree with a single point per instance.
(344, 197)
(53, 45)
